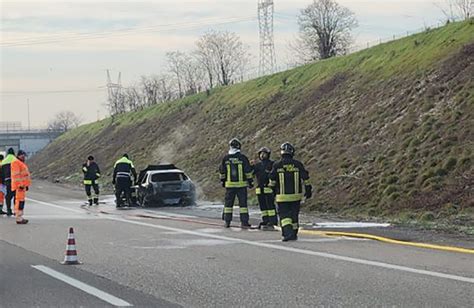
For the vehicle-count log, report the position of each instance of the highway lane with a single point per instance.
(173, 259)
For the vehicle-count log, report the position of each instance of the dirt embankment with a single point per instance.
(384, 132)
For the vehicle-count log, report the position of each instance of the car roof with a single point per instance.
(165, 171)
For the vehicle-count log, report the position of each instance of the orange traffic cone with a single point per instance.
(70, 257)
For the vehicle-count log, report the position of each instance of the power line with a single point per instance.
(15, 93)
(123, 32)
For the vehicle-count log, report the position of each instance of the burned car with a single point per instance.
(165, 185)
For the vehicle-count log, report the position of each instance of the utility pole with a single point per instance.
(114, 90)
(267, 46)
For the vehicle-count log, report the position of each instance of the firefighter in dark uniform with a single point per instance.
(6, 179)
(236, 175)
(122, 179)
(91, 175)
(286, 179)
(265, 196)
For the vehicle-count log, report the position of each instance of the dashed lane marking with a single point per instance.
(106, 297)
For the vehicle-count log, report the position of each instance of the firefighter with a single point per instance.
(2, 187)
(286, 179)
(91, 174)
(20, 182)
(122, 179)
(265, 196)
(236, 175)
(6, 179)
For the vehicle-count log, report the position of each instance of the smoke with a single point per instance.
(174, 149)
(168, 152)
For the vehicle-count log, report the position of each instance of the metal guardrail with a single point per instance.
(30, 131)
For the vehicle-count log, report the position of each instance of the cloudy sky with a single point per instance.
(55, 53)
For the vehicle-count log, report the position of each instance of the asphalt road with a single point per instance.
(166, 257)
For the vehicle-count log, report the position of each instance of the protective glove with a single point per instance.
(113, 182)
(308, 191)
(27, 188)
(250, 183)
(223, 183)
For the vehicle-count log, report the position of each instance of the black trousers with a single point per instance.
(267, 207)
(88, 188)
(289, 217)
(9, 195)
(123, 185)
(241, 194)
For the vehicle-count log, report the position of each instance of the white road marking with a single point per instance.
(57, 206)
(169, 214)
(60, 217)
(287, 248)
(106, 297)
(303, 251)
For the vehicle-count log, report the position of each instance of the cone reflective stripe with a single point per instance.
(71, 253)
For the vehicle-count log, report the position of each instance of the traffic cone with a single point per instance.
(70, 257)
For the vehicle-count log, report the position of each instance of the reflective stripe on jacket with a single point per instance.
(20, 174)
(6, 168)
(287, 178)
(235, 170)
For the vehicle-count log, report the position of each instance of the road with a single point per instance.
(183, 257)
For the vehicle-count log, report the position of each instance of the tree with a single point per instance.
(132, 99)
(64, 121)
(204, 54)
(455, 9)
(176, 63)
(223, 56)
(325, 30)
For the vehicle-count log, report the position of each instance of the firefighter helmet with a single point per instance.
(235, 143)
(264, 150)
(287, 148)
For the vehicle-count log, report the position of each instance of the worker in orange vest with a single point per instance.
(21, 181)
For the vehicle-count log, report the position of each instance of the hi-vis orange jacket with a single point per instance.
(20, 175)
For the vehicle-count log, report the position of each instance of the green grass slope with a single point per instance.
(387, 131)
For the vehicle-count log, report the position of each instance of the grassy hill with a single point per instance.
(388, 131)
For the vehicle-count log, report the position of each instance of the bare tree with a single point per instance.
(64, 121)
(204, 54)
(166, 88)
(325, 29)
(193, 75)
(149, 90)
(132, 99)
(465, 8)
(176, 63)
(223, 55)
(456, 9)
(115, 102)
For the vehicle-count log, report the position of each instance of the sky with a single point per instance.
(55, 54)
